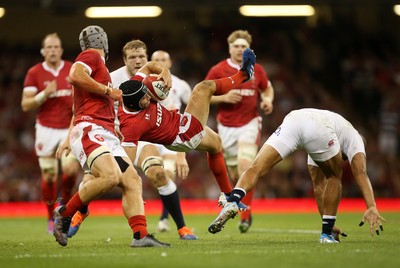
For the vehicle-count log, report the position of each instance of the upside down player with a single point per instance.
(143, 119)
(147, 155)
(239, 123)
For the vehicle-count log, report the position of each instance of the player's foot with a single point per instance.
(223, 199)
(50, 226)
(61, 226)
(186, 234)
(148, 241)
(163, 225)
(229, 211)
(244, 225)
(76, 221)
(248, 61)
(325, 239)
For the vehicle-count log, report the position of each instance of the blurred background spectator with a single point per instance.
(346, 59)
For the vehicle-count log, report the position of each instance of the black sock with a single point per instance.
(84, 210)
(236, 195)
(136, 235)
(172, 204)
(327, 224)
(164, 213)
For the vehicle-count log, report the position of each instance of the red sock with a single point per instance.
(49, 196)
(223, 85)
(67, 185)
(73, 206)
(138, 225)
(247, 199)
(216, 163)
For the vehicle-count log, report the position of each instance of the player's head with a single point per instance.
(238, 41)
(134, 54)
(51, 48)
(94, 36)
(133, 92)
(162, 57)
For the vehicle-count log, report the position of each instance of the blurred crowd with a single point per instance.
(356, 75)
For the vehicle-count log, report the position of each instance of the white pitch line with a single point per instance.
(284, 231)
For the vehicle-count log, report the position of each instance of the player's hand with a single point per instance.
(119, 134)
(165, 75)
(266, 106)
(181, 167)
(371, 215)
(116, 94)
(63, 148)
(232, 97)
(51, 87)
(337, 232)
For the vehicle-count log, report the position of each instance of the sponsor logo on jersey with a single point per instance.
(278, 131)
(331, 143)
(61, 93)
(245, 92)
(159, 115)
(184, 121)
(99, 137)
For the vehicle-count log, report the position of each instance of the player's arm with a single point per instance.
(267, 98)
(31, 100)
(182, 167)
(154, 67)
(79, 76)
(231, 97)
(371, 215)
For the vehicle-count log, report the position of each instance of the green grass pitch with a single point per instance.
(274, 240)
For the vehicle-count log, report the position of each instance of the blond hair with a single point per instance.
(134, 44)
(51, 35)
(239, 34)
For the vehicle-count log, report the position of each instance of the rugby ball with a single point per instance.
(155, 88)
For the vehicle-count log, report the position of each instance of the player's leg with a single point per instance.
(48, 168)
(103, 166)
(199, 102)
(82, 213)
(151, 163)
(133, 205)
(46, 141)
(211, 143)
(266, 158)
(70, 168)
(169, 159)
(332, 170)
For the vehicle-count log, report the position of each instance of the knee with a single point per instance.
(157, 176)
(206, 86)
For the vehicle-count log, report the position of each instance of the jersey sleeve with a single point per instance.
(90, 59)
(262, 77)
(213, 73)
(30, 83)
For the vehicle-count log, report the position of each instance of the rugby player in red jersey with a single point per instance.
(94, 141)
(146, 120)
(238, 121)
(47, 90)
